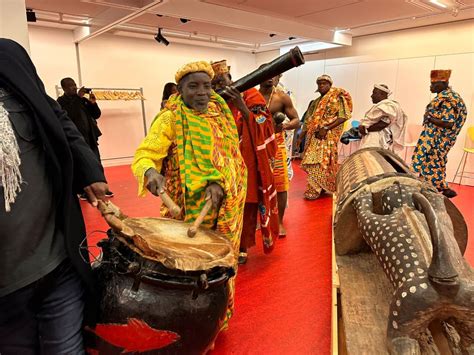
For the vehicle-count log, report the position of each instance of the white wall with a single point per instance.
(402, 60)
(53, 54)
(13, 22)
(121, 62)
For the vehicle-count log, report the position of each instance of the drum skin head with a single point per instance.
(166, 241)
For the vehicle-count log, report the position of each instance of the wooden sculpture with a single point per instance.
(418, 238)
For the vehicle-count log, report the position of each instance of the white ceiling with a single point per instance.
(247, 24)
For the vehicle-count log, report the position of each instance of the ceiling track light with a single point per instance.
(30, 15)
(160, 39)
(439, 4)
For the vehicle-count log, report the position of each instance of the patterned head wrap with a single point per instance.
(220, 67)
(194, 67)
(324, 77)
(440, 75)
(383, 87)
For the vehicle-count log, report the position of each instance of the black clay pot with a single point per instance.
(148, 309)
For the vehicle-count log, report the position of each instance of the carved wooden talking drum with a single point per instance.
(160, 291)
(374, 170)
(418, 237)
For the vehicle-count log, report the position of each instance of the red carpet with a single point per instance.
(283, 299)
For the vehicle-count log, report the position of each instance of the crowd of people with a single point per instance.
(200, 147)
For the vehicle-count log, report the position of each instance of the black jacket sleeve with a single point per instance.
(66, 106)
(87, 168)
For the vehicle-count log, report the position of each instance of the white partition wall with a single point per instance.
(400, 59)
(60, 60)
(407, 75)
(412, 88)
(346, 76)
(303, 83)
(122, 62)
(367, 75)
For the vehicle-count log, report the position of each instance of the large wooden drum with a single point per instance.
(160, 291)
(374, 170)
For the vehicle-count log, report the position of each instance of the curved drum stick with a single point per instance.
(109, 215)
(175, 210)
(193, 229)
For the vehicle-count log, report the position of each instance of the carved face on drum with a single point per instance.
(195, 88)
(413, 240)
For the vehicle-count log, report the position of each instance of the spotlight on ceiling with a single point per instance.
(272, 34)
(30, 15)
(184, 20)
(439, 4)
(160, 39)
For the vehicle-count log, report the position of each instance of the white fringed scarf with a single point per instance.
(9, 160)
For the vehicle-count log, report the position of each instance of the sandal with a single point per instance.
(311, 197)
(242, 258)
(282, 232)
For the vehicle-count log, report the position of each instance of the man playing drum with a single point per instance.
(192, 153)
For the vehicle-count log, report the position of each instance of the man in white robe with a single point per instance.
(383, 125)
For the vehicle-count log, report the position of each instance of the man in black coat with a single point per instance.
(45, 275)
(84, 113)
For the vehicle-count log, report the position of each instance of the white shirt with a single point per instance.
(391, 137)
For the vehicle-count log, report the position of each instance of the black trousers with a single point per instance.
(44, 317)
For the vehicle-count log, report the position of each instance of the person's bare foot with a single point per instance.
(282, 233)
(243, 256)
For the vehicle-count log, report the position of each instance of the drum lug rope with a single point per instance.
(139, 269)
(203, 282)
(136, 283)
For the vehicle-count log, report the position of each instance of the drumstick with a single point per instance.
(172, 206)
(109, 214)
(193, 229)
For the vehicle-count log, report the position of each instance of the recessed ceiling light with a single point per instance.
(438, 3)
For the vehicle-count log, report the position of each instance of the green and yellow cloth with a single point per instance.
(193, 149)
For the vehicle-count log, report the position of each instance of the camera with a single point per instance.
(87, 90)
(351, 134)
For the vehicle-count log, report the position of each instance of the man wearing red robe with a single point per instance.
(258, 148)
